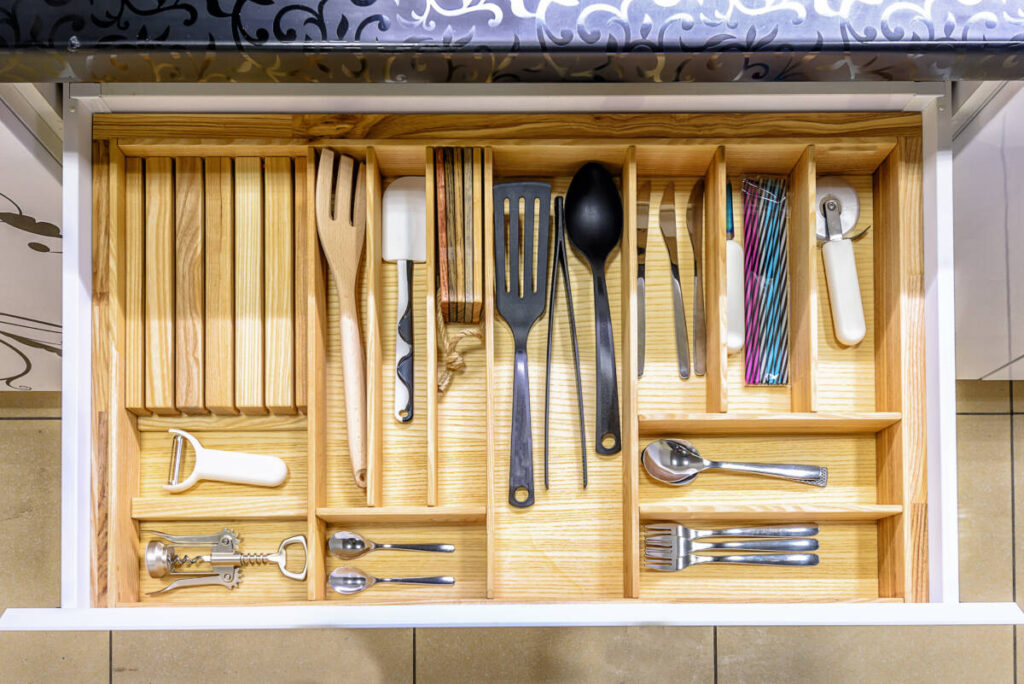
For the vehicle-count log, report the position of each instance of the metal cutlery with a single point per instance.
(695, 226)
(669, 546)
(354, 580)
(350, 545)
(766, 531)
(677, 462)
(683, 562)
(643, 215)
(667, 222)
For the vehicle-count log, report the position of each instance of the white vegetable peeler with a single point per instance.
(223, 466)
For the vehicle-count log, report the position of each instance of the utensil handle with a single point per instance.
(682, 343)
(762, 545)
(641, 319)
(801, 559)
(433, 548)
(418, 580)
(734, 295)
(767, 531)
(812, 475)
(520, 467)
(844, 291)
(699, 333)
(355, 388)
(607, 418)
(404, 345)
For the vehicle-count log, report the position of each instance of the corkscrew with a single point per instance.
(225, 561)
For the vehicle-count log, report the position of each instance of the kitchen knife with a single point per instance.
(667, 221)
(695, 226)
(643, 214)
(404, 236)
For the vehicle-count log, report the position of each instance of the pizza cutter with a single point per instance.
(838, 211)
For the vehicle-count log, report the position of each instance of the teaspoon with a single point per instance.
(354, 580)
(349, 545)
(677, 462)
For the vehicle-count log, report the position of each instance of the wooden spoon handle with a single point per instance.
(355, 388)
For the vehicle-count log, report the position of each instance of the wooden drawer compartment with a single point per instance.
(443, 476)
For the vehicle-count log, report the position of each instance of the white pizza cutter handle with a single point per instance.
(844, 291)
(230, 466)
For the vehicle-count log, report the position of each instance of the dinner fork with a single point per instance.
(660, 548)
(675, 529)
(683, 562)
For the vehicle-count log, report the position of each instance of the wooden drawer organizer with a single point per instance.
(442, 477)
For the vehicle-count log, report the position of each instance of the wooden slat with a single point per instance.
(431, 268)
(375, 376)
(160, 286)
(220, 290)
(478, 237)
(458, 128)
(715, 294)
(189, 280)
(766, 423)
(135, 290)
(900, 372)
(222, 423)
(216, 508)
(123, 459)
(488, 260)
(304, 221)
(403, 514)
(164, 147)
(316, 398)
(807, 513)
(279, 282)
(803, 285)
(249, 388)
(630, 432)
(102, 333)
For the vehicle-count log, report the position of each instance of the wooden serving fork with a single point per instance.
(342, 234)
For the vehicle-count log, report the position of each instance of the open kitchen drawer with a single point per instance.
(191, 214)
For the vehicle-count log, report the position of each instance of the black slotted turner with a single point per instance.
(520, 285)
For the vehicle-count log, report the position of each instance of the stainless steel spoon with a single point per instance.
(354, 580)
(677, 462)
(349, 545)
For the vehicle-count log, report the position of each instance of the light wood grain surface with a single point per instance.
(220, 286)
(159, 242)
(135, 287)
(189, 282)
(249, 341)
(279, 285)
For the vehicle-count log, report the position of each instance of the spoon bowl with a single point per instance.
(677, 462)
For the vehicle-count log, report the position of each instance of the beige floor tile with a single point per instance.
(1018, 396)
(985, 499)
(54, 657)
(283, 656)
(1018, 477)
(865, 654)
(591, 654)
(982, 396)
(30, 404)
(30, 511)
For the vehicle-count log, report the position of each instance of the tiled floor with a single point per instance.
(990, 437)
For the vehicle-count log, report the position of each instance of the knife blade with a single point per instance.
(695, 226)
(643, 214)
(667, 222)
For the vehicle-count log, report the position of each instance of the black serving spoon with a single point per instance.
(593, 222)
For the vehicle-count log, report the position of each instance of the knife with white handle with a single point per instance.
(404, 237)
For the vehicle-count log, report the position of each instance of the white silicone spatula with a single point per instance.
(404, 234)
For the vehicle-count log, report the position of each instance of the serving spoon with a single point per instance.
(677, 462)
(354, 580)
(349, 545)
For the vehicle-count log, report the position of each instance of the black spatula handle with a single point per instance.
(520, 473)
(608, 430)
